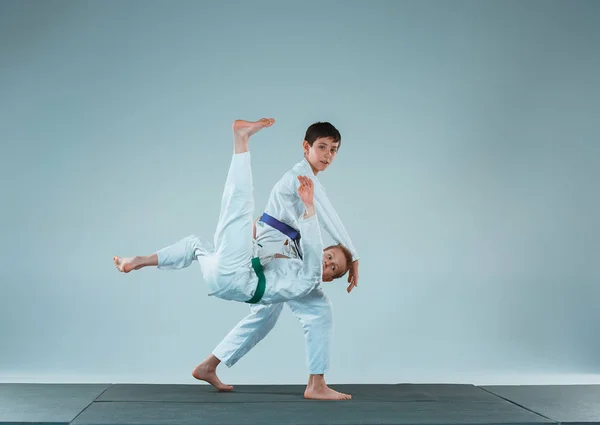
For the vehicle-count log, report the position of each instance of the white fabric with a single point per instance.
(227, 267)
(314, 311)
(284, 204)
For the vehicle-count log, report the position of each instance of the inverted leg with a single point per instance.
(182, 253)
(233, 236)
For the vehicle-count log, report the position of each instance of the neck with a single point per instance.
(314, 170)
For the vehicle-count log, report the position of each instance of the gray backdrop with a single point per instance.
(467, 179)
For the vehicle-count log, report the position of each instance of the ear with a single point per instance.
(305, 146)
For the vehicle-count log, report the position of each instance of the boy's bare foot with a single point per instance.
(242, 130)
(324, 393)
(206, 373)
(126, 265)
(317, 389)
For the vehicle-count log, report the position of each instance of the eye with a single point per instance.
(322, 147)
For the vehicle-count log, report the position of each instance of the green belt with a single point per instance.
(260, 288)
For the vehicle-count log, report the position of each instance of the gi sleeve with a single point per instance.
(312, 249)
(329, 218)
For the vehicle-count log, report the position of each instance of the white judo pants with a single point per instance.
(233, 248)
(315, 314)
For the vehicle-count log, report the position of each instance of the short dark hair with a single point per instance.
(347, 256)
(320, 130)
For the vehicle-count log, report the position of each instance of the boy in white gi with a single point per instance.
(314, 311)
(230, 269)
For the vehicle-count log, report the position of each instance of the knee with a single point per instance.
(191, 239)
(191, 242)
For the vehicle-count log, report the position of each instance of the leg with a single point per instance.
(241, 339)
(233, 237)
(315, 313)
(176, 256)
(238, 190)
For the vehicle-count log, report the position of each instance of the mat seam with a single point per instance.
(92, 402)
(522, 407)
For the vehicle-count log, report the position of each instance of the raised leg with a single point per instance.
(233, 237)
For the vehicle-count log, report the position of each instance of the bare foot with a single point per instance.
(208, 374)
(126, 265)
(324, 393)
(242, 130)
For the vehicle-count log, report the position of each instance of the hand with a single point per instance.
(306, 191)
(353, 276)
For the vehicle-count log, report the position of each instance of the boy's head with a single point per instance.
(337, 260)
(321, 143)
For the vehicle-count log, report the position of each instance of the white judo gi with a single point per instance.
(313, 309)
(227, 265)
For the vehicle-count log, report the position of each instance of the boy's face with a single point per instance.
(334, 262)
(321, 154)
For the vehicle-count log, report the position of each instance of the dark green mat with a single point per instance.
(45, 403)
(417, 404)
(262, 393)
(568, 404)
(314, 412)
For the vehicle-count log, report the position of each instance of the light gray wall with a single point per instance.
(467, 179)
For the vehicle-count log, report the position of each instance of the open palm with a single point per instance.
(306, 190)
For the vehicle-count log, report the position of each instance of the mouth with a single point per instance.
(323, 162)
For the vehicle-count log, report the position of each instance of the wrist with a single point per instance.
(310, 210)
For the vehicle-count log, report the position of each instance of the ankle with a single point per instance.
(211, 363)
(316, 381)
(146, 260)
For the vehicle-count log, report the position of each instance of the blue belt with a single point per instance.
(292, 233)
(289, 231)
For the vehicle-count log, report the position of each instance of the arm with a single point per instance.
(328, 217)
(312, 249)
(310, 242)
(333, 225)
